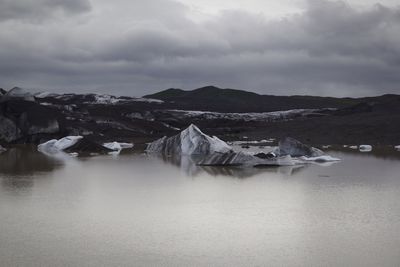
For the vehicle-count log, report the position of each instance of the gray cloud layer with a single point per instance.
(133, 48)
(40, 10)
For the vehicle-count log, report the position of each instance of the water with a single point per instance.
(136, 210)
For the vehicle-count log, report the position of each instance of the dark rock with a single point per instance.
(85, 146)
(24, 121)
(262, 155)
(9, 131)
(17, 93)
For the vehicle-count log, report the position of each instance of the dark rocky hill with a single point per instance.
(212, 98)
(231, 115)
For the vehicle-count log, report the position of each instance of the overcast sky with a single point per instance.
(135, 47)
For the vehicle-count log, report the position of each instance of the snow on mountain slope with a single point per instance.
(276, 115)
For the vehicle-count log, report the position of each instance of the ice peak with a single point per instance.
(191, 141)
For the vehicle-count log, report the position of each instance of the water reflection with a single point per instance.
(19, 165)
(382, 152)
(188, 166)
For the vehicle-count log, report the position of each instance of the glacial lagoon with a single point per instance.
(136, 209)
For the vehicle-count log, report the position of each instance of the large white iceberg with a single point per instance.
(214, 152)
(191, 141)
(55, 146)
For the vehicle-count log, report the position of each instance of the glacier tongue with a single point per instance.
(191, 141)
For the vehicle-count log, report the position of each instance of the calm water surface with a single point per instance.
(137, 210)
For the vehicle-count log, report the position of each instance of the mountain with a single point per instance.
(227, 113)
(211, 98)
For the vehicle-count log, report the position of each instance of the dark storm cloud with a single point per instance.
(131, 47)
(40, 10)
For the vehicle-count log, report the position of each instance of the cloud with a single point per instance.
(136, 47)
(40, 10)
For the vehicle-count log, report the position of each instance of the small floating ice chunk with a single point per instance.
(324, 158)
(397, 147)
(353, 147)
(294, 148)
(54, 145)
(365, 148)
(117, 147)
(2, 149)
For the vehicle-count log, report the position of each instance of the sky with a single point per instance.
(132, 47)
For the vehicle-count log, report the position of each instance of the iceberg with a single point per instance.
(191, 141)
(211, 151)
(55, 146)
(365, 148)
(117, 147)
(397, 147)
(294, 148)
(76, 145)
